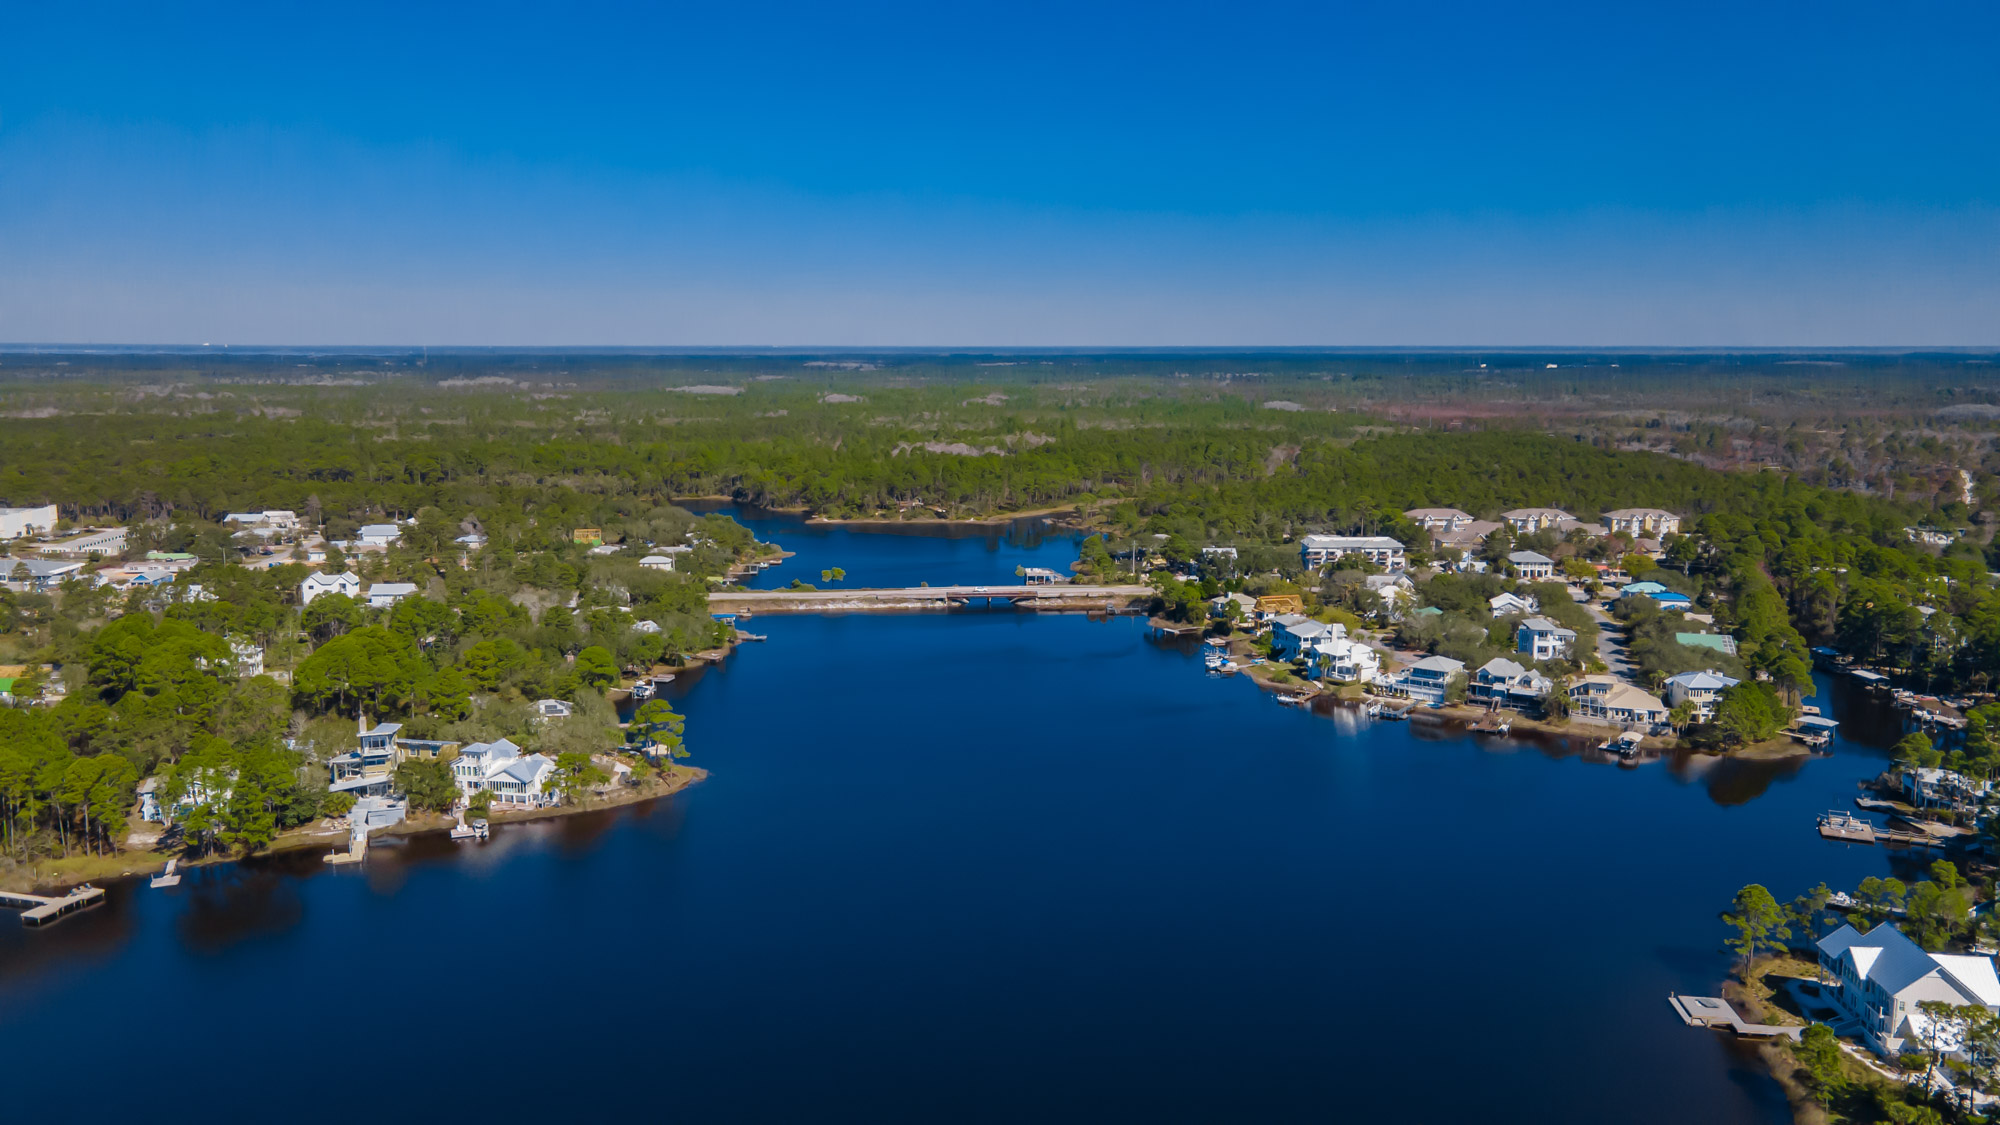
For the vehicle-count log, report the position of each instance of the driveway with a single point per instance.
(1611, 645)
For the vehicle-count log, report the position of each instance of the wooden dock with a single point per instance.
(39, 910)
(1715, 1012)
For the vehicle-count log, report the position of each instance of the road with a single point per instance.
(1611, 645)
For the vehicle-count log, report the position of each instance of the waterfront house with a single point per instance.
(1881, 978)
(1039, 576)
(1615, 701)
(382, 595)
(22, 523)
(1532, 565)
(1319, 550)
(1428, 680)
(1929, 788)
(1718, 642)
(476, 759)
(343, 583)
(523, 783)
(1703, 689)
(1345, 661)
(1504, 683)
(1527, 521)
(1541, 639)
(1293, 634)
(1642, 523)
(364, 771)
(1435, 520)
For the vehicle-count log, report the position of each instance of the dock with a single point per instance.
(1845, 828)
(357, 847)
(1715, 1012)
(39, 910)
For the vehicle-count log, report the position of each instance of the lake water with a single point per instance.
(978, 866)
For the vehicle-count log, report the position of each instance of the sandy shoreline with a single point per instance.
(101, 869)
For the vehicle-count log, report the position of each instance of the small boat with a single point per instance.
(1213, 659)
(171, 877)
(1293, 699)
(1373, 710)
(475, 830)
(1395, 714)
(742, 636)
(642, 690)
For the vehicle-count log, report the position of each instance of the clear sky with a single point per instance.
(1005, 174)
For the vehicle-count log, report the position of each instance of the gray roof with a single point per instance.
(39, 568)
(525, 769)
(1438, 664)
(1501, 668)
(1703, 681)
(395, 589)
(1544, 625)
(1530, 557)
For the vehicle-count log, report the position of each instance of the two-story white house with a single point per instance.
(1538, 638)
(1345, 661)
(1318, 550)
(1881, 978)
(1703, 689)
(343, 583)
(499, 767)
(1532, 565)
(1428, 680)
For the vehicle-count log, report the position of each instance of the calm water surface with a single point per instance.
(982, 866)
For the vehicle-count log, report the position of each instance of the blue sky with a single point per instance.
(1017, 174)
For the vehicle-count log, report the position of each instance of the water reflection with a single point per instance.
(229, 904)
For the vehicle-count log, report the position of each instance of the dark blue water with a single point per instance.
(984, 866)
(895, 555)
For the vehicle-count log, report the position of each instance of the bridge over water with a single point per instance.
(1060, 596)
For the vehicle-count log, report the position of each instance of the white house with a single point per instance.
(378, 534)
(19, 523)
(1504, 604)
(1703, 689)
(1435, 520)
(657, 562)
(1294, 634)
(1345, 661)
(1428, 679)
(385, 594)
(1642, 523)
(1527, 521)
(1541, 639)
(1382, 551)
(472, 541)
(1503, 682)
(343, 583)
(1532, 564)
(248, 656)
(553, 709)
(1881, 977)
(646, 627)
(1395, 591)
(1613, 700)
(501, 769)
(1040, 576)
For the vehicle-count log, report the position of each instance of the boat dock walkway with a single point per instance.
(41, 909)
(1713, 1011)
(1058, 596)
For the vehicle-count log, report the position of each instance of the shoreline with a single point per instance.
(137, 865)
